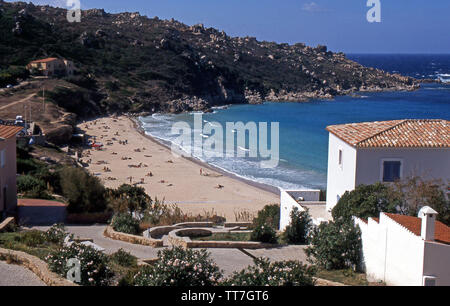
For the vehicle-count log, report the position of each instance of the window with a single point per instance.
(340, 157)
(391, 170)
(2, 159)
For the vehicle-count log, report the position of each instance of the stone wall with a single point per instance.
(111, 233)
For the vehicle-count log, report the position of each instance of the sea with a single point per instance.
(303, 140)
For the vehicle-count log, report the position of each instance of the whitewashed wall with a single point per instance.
(426, 163)
(340, 178)
(437, 262)
(287, 204)
(393, 254)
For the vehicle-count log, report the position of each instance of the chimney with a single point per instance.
(428, 216)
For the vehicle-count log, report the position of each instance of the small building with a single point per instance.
(52, 66)
(370, 152)
(406, 251)
(8, 169)
(302, 200)
(41, 212)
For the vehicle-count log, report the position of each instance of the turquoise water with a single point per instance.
(303, 138)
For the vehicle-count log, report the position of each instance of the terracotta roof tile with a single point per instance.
(8, 131)
(45, 60)
(39, 203)
(410, 133)
(414, 224)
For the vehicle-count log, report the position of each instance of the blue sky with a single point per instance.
(407, 26)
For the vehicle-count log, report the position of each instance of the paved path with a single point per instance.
(291, 252)
(229, 260)
(13, 275)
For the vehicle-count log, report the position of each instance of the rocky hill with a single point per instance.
(133, 63)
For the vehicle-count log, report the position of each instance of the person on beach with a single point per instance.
(201, 171)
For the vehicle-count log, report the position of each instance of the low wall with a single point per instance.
(6, 223)
(187, 243)
(237, 224)
(111, 233)
(35, 265)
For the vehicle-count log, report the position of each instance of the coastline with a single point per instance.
(129, 156)
(264, 187)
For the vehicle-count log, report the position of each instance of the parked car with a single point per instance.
(9, 86)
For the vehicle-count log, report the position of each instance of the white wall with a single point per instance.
(340, 178)
(437, 262)
(287, 204)
(426, 163)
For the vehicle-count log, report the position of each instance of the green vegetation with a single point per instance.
(299, 228)
(12, 74)
(403, 197)
(346, 277)
(266, 273)
(180, 268)
(335, 245)
(264, 233)
(269, 215)
(125, 223)
(84, 192)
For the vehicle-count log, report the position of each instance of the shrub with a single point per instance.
(269, 215)
(265, 273)
(335, 245)
(125, 223)
(264, 233)
(123, 258)
(129, 198)
(180, 267)
(32, 238)
(85, 193)
(56, 234)
(297, 231)
(367, 201)
(94, 268)
(27, 183)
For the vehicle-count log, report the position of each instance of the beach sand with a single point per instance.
(175, 179)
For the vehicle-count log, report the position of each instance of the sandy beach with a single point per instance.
(129, 156)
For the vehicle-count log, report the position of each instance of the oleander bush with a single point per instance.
(335, 245)
(298, 230)
(180, 267)
(125, 223)
(264, 233)
(266, 273)
(94, 269)
(56, 234)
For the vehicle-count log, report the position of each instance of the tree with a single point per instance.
(335, 245)
(367, 201)
(85, 193)
(128, 198)
(297, 231)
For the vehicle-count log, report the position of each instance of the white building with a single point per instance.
(301, 199)
(406, 251)
(370, 152)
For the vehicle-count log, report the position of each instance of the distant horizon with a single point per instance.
(414, 27)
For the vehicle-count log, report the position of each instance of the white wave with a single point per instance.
(244, 149)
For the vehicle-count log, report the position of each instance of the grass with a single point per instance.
(347, 277)
(19, 241)
(244, 236)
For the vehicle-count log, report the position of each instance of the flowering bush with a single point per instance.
(180, 267)
(125, 223)
(265, 273)
(94, 269)
(56, 234)
(264, 233)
